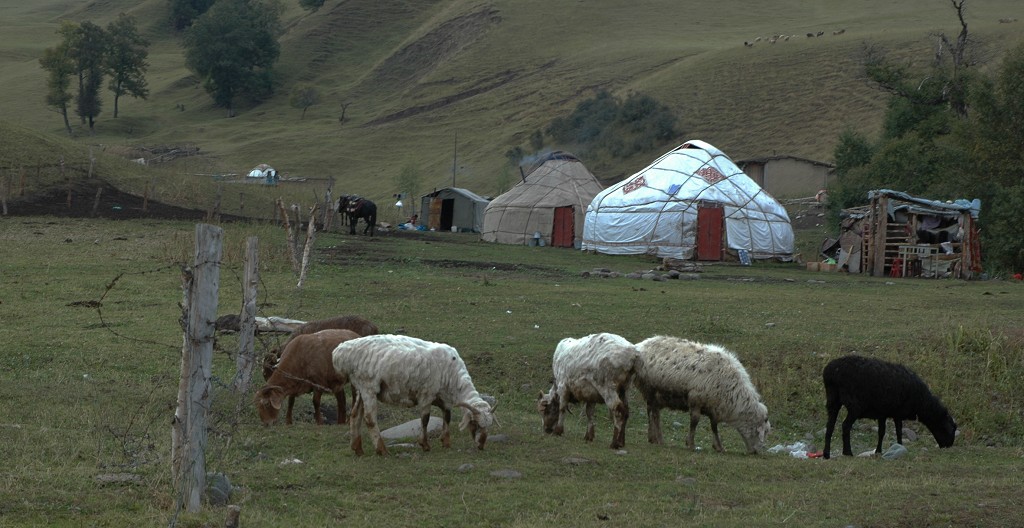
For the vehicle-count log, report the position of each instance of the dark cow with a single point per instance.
(356, 208)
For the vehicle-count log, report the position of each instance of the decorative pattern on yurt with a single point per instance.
(546, 207)
(656, 210)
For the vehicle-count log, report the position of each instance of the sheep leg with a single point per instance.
(446, 439)
(563, 406)
(847, 427)
(288, 416)
(654, 424)
(342, 415)
(589, 437)
(316, 407)
(830, 425)
(694, 420)
(716, 441)
(424, 421)
(620, 415)
(881, 434)
(370, 415)
(355, 426)
(899, 430)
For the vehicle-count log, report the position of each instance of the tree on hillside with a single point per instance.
(948, 133)
(233, 48)
(60, 66)
(88, 46)
(606, 125)
(311, 5)
(304, 96)
(126, 60)
(184, 12)
(995, 138)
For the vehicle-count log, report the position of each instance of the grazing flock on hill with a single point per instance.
(669, 372)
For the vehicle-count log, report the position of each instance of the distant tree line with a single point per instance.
(606, 126)
(949, 132)
(88, 53)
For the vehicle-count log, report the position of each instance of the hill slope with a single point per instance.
(430, 83)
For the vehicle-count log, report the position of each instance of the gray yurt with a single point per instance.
(547, 207)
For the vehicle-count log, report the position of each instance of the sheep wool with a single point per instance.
(409, 372)
(877, 389)
(704, 379)
(592, 369)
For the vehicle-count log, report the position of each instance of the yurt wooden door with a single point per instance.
(563, 232)
(710, 220)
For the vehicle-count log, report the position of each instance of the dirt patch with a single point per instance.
(99, 199)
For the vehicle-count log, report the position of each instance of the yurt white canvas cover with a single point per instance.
(550, 200)
(677, 208)
(453, 207)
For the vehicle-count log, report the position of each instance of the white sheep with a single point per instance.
(409, 372)
(703, 379)
(592, 369)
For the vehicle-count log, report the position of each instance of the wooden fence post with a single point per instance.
(188, 428)
(310, 237)
(247, 325)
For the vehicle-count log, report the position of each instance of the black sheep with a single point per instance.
(872, 388)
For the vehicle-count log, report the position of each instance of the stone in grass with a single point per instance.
(895, 451)
(218, 489)
(412, 429)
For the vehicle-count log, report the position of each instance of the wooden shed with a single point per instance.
(899, 235)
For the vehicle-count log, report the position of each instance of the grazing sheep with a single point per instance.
(704, 379)
(409, 372)
(355, 323)
(595, 368)
(748, 44)
(872, 388)
(306, 366)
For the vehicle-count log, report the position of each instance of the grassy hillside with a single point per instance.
(416, 76)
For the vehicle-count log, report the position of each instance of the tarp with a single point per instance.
(655, 210)
(558, 181)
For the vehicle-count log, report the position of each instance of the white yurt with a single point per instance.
(691, 203)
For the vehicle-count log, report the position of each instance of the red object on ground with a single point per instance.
(816, 454)
(1018, 276)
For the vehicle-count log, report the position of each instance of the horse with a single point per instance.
(357, 208)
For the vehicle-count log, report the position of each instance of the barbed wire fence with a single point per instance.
(131, 436)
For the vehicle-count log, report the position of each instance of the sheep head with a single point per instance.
(477, 416)
(547, 406)
(755, 429)
(268, 402)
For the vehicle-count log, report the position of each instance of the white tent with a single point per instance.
(263, 171)
(680, 207)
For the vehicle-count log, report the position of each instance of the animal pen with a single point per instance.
(899, 235)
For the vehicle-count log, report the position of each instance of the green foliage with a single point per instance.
(88, 47)
(233, 48)
(60, 66)
(311, 5)
(126, 60)
(304, 96)
(184, 12)
(607, 125)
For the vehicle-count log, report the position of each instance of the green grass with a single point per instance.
(793, 97)
(90, 391)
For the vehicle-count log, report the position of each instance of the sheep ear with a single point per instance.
(540, 395)
(275, 395)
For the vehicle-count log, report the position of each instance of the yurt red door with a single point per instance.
(710, 219)
(563, 231)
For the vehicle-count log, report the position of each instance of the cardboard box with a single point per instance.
(827, 267)
(813, 266)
